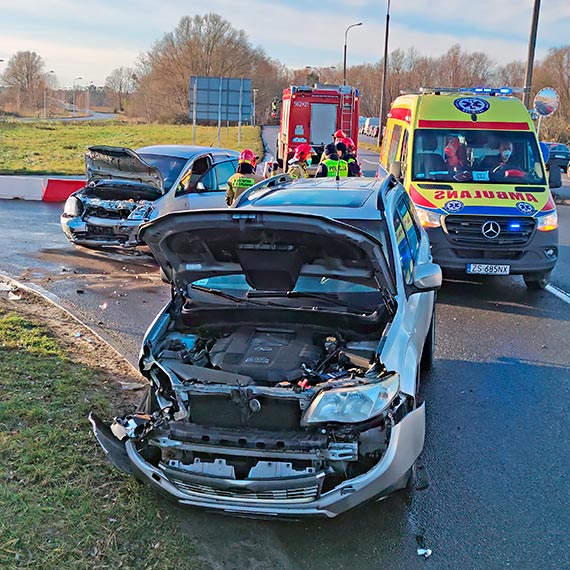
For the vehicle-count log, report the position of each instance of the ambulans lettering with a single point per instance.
(479, 194)
(471, 105)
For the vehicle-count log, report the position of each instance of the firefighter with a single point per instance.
(332, 165)
(338, 136)
(350, 157)
(300, 161)
(244, 178)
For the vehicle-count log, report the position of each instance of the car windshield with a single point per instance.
(344, 291)
(481, 156)
(169, 166)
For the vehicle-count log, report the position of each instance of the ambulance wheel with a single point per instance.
(536, 280)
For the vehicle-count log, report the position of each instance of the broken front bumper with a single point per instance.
(98, 232)
(285, 496)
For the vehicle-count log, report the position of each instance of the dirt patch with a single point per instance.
(80, 344)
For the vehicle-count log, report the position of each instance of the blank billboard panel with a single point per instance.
(221, 98)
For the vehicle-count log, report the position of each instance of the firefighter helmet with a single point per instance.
(247, 156)
(303, 151)
(339, 134)
(349, 143)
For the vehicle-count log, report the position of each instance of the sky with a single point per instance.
(83, 42)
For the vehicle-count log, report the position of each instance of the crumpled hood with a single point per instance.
(272, 249)
(118, 163)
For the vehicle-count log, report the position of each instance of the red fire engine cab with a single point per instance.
(312, 114)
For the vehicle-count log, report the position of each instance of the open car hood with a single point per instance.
(272, 249)
(118, 163)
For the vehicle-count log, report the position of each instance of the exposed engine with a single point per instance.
(266, 356)
(113, 209)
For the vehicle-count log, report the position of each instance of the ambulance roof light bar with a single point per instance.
(475, 90)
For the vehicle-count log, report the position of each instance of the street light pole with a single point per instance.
(73, 100)
(345, 40)
(384, 72)
(530, 56)
(254, 96)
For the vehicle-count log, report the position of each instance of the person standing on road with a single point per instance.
(332, 165)
(300, 161)
(350, 157)
(244, 178)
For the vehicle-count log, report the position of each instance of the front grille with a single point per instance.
(297, 495)
(221, 411)
(467, 230)
(489, 254)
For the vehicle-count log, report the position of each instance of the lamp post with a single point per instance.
(45, 92)
(345, 40)
(88, 97)
(73, 100)
(383, 96)
(319, 70)
(530, 56)
(254, 96)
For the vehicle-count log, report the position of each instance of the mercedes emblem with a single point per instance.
(491, 230)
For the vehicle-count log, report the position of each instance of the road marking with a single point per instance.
(561, 294)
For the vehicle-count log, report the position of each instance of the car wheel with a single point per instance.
(429, 347)
(536, 280)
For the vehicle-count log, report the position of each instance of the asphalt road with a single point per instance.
(495, 457)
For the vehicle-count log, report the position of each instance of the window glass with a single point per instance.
(190, 179)
(469, 155)
(394, 143)
(411, 230)
(169, 166)
(404, 251)
(222, 172)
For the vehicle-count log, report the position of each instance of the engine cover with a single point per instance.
(266, 354)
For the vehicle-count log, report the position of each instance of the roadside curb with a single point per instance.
(55, 301)
(38, 188)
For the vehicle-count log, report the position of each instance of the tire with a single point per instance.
(428, 351)
(536, 281)
(555, 176)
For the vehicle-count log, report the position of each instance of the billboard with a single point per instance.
(220, 99)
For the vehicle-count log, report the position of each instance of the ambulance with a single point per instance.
(473, 166)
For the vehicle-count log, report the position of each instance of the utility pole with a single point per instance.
(384, 73)
(530, 57)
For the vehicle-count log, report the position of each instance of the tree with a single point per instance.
(121, 83)
(25, 73)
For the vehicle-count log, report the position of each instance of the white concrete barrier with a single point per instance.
(22, 187)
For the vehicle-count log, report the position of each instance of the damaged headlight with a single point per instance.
(141, 212)
(352, 405)
(73, 207)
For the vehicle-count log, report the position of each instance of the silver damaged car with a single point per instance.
(284, 371)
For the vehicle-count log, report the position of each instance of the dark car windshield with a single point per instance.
(467, 155)
(169, 166)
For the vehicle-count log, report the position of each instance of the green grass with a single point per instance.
(369, 146)
(62, 505)
(58, 148)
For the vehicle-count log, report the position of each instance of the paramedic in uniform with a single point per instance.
(244, 178)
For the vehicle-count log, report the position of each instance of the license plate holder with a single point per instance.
(487, 269)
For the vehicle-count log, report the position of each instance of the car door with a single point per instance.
(210, 189)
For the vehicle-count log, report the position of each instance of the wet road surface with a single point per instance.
(497, 401)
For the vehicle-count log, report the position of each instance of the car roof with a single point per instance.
(347, 198)
(183, 150)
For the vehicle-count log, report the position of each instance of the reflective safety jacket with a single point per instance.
(330, 168)
(238, 183)
(298, 169)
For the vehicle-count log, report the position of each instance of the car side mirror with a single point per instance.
(200, 187)
(426, 277)
(395, 168)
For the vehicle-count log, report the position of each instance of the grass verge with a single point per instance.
(369, 146)
(45, 147)
(62, 505)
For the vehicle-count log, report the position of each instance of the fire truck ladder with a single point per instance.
(346, 112)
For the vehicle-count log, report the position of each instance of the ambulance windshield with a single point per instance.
(482, 156)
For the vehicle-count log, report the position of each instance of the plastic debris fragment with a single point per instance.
(425, 552)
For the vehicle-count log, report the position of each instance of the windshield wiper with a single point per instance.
(228, 296)
(332, 299)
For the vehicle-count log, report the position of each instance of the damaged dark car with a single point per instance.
(285, 369)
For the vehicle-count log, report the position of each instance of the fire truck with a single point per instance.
(312, 114)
